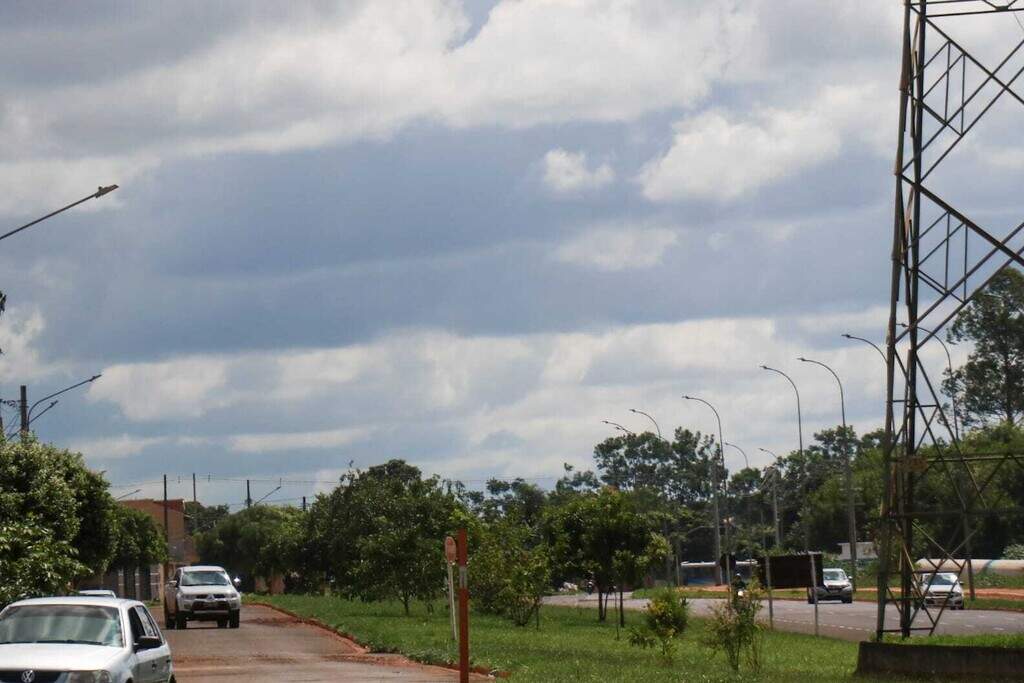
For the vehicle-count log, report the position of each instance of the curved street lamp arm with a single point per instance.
(58, 393)
(870, 343)
(640, 412)
(618, 426)
(746, 460)
(842, 394)
(43, 411)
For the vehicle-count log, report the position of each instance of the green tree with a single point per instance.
(199, 517)
(140, 542)
(510, 572)
(588, 533)
(990, 385)
(261, 541)
(52, 492)
(34, 562)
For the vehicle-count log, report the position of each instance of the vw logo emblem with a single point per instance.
(28, 676)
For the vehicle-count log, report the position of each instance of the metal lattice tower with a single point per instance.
(941, 259)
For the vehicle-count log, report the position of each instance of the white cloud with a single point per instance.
(113, 447)
(288, 441)
(617, 248)
(567, 172)
(173, 389)
(715, 156)
(365, 70)
(20, 330)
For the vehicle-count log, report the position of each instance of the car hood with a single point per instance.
(57, 656)
(836, 584)
(941, 589)
(223, 591)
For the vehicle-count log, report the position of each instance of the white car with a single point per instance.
(82, 639)
(202, 593)
(943, 587)
(837, 587)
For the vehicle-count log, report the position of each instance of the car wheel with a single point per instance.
(168, 622)
(847, 601)
(234, 620)
(180, 622)
(222, 623)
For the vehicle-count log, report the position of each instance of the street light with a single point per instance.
(847, 474)
(714, 497)
(640, 412)
(131, 493)
(869, 342)
(100, 191)
(746, 461)
(800, 435)
(774, 469)
(58, 393)
(266, 496)
(619, 427)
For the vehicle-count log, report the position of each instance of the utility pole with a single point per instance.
(303, 503)
(194, 498)
(248, 495)
(167, 527)
(24, 411)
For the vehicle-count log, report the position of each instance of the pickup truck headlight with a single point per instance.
(89, 677)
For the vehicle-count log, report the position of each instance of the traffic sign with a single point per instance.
(451, 551)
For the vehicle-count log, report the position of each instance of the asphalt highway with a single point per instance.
(271, 646)
(855, 621)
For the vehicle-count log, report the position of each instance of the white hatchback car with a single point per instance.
(82, 639)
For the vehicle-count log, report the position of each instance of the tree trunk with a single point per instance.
(602, 604)
(622, 615)
(405, 604)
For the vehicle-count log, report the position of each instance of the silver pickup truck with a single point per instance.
(201, 593)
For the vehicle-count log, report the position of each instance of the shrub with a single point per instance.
(507, 576)
(664, 620)
(733, 628)
(1014, 552)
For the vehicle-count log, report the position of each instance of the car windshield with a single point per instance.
(943, 580)
(835, 575)
(204, 578)
(68, 624)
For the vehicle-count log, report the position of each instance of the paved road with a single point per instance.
(855, 621)
(271, 646)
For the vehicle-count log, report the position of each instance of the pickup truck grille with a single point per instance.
(41, 676)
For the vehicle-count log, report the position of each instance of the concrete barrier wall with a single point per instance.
(1005, 664)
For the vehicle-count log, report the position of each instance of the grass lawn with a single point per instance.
(987, 640)
(571, 645)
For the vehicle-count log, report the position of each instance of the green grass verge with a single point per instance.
(987, 640)
(571, 645)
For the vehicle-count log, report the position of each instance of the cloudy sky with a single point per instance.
(459, 233)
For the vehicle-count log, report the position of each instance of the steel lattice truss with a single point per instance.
(942, 259)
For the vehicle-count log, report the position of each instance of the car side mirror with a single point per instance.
(147, 643)
(172, 584)
(237, 581)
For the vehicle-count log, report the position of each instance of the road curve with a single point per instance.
(855, 621)
(271, 646)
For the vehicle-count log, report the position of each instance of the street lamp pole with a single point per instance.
(800, 437)
(851, 517)
(775, 497)
(656, 427)
(100, 191)
(714, 496)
